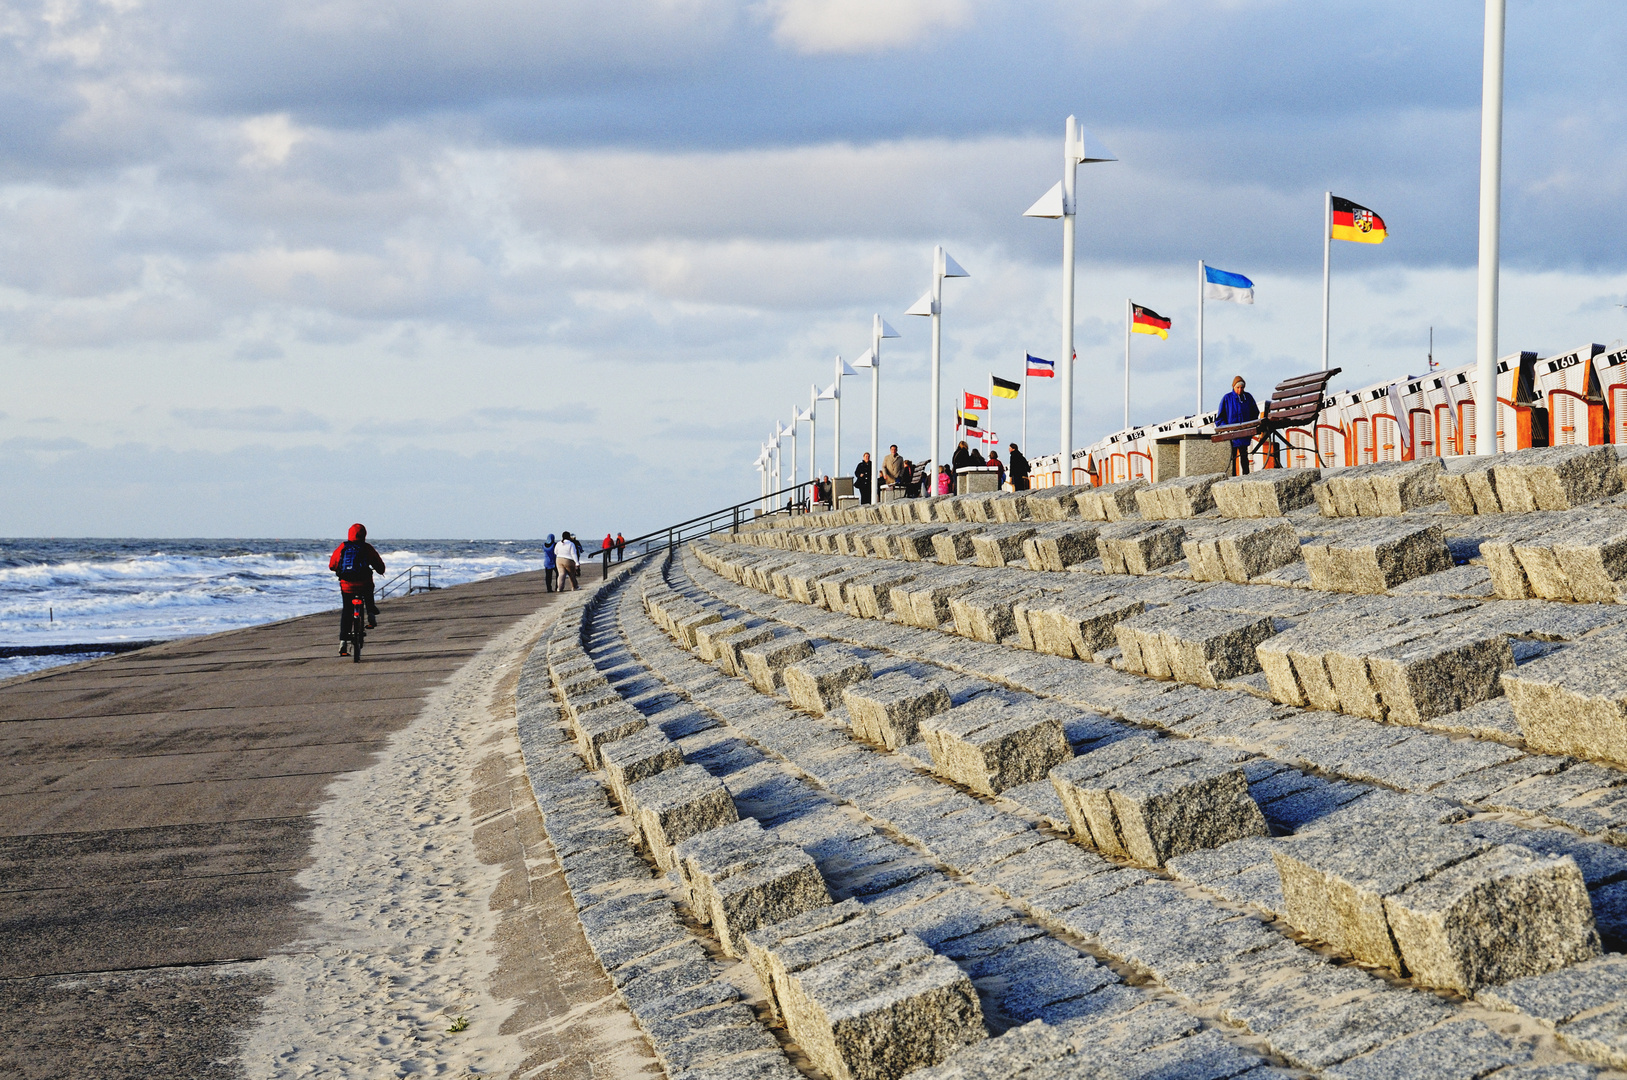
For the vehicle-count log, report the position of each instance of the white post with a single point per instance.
(793, 448)
(1070, 173)
(1200, 337)
(1025, 401)
(937, 359)
(836, 436)
(1327, 247)
(1129, 317)
(992, 428)
(875, 412)
(813, 413)
(1491, 193)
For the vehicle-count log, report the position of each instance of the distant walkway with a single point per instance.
(154, 809)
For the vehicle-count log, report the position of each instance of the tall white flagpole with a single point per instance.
(836, 435)
(1025, 400)
(1129, 317)
(1070, 175)
(1327, 247)
(937, 359)
(1200, 336)
(813, 433)
(875, 416)
(1491, 195)
(992, 428)
(793, 449)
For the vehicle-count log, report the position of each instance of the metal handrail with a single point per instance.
(412, 574)
(728, 518)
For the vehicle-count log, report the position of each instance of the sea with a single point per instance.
(97, 591)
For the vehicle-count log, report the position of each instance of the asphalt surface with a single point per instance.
(155, 809)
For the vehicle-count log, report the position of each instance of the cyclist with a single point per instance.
(355, 561)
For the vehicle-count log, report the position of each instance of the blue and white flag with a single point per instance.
(1220, 285)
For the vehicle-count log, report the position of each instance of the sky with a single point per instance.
(501, 268)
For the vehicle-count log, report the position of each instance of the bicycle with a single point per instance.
(358, 625)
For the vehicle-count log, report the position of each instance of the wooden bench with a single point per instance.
(1293, 402)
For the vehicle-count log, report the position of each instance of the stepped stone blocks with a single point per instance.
(915, 545)
(1574, 700)
(1555, 477)
(1270, 493)
(684, 630)
(953, 546)
(676, 804)
(804, 586)
(1181, 497)
(1242, 551)
(1584, 1002)
(977, 508)
(889, 710)
(709, 638)
(1505, 914)
(832, 590)
(1382, 490)
(994, 547)
(1151, 801)
(1375, 556)
(1467, 485)
(923, 509)
(1201, 647)
(1577, 557)
(985, 613)
(765, 664)
(1010, 508)
(872, 595)
(863, 1000)
(990, 744)
(1055, 503)
(1055, 547)
(924, 602)
(741, 879)
(595, 728)
(582, 682)
(1112, 502)
(1139, 547)
(945, 513)
(636, 757)
(1436, 674)
(1074, 624)
(815, 685)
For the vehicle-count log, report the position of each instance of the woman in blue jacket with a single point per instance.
(1238, 407)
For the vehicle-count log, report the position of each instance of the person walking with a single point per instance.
(607, 547)
(621, 546)
(946, 482)
(550, 565)
(861, 479)
(1238, 407)
(569, 556)
(892, 466)
(1019, 468)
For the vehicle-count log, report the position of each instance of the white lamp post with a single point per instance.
(791, 430)
(1079, 147)
(872, 360)
(835, 393)
(813, 459)
(943, 266)
(1491, 197)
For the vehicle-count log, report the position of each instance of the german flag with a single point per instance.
(1356, 223)
(1004, 388)
(1148, 321)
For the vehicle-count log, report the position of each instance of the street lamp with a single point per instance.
(872, 360)
(1079, 147)
(1491, 198)
(834, 393)
(931, 304)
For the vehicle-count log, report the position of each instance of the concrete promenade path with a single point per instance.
(155, 809)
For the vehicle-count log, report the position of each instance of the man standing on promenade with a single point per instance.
(861, 479)
(892, 466)
(550, 566)
(1238, 407)
(1019, 469)
(621, 546)
(354, 561)
(607, 547)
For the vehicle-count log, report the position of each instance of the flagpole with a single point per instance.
(1129, 318)
(937, 357)
(875, 412)
(1200, 337)
(1025, 401)
(1070, 169)
(1327, 247)
(991, 407)
(836, 436)
(793, 449)
(1491, 196)
(813, 434)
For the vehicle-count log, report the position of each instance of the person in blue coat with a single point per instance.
(1238, 407)
(550, 566)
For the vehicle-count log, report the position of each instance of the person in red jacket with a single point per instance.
(355, 561)
(607, 547)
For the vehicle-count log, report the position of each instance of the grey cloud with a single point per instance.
(258, 350)
(258, 418)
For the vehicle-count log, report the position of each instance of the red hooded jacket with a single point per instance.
(370, 558)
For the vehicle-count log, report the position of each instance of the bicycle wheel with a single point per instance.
(358, 632)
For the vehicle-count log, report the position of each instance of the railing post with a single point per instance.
(736, 527)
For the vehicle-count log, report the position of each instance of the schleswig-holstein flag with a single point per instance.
(1221, 285)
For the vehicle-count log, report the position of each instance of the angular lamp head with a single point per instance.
(868, 360)
(830, 393)
(885, 330)
(951, 268)
(922, 306)
(1049, 204)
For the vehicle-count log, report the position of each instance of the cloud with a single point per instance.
(860, 26)
(258, 350)
(266, 418)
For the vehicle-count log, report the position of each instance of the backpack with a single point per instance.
(353, 564)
